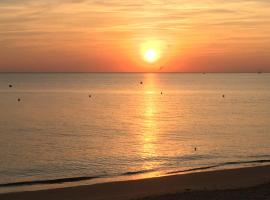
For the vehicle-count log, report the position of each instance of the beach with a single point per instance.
(134, 100)
(77, 131)
(241, 183)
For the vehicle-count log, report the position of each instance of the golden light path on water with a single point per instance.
(149, 111)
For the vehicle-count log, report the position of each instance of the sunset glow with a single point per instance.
(150, 55)
(124, 99)
(123, 36)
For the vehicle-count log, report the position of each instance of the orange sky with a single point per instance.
(112, 35)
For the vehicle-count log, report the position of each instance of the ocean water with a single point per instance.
(57, 134)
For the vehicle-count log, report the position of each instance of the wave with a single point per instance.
(219, 165)
(85, 178)
(137, 172)
(49, 181)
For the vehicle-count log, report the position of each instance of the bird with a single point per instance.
(19, 99)
(223, 95)
(195, 149)
(161, 93)
(161, 68)
(90, 95)
(141, 82)
(10, 85)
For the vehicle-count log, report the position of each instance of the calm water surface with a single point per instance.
(126, 128)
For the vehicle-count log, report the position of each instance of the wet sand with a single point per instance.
(261, 192)
(242, 183)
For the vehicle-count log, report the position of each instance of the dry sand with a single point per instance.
(243, 183)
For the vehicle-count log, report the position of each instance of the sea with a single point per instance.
(70, 129)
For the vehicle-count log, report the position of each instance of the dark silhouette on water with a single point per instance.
(223, 95)
(161, 93)
(10, 86)
(90, 95)
(19, 99)
(195, 149)
(141, 82)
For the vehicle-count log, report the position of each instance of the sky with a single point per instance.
(120, 35)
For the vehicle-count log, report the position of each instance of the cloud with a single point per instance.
(87, 25)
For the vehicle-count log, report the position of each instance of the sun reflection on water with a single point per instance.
(149, 135)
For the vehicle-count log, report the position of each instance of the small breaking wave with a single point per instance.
(137, 172)
(85, 178)
(49, 181)
(219, 165)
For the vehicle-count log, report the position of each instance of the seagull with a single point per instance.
(141, 82)
(19, 99)
(10, 85)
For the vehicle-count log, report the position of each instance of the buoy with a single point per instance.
(90, 95)
(141, 82)
(10, 86)
(19, 99)
(195, 149)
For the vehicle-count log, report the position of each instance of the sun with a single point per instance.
(150, 55)
(152, 50)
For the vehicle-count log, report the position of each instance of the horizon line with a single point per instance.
(111, 72)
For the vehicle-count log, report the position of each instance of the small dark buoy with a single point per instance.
(90, 95)
(161, 93)
(10, 86)
(141, 82)
(223, 95)
(19, 99)
(195, 149)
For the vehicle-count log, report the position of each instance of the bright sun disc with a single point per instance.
(150, 55)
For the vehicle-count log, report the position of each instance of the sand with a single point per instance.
(261, 192)
(243, 183)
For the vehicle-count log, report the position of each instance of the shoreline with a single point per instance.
(135, 175)
(173, 184)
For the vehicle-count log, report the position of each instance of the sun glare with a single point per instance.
(150, 55)
(151, 50)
